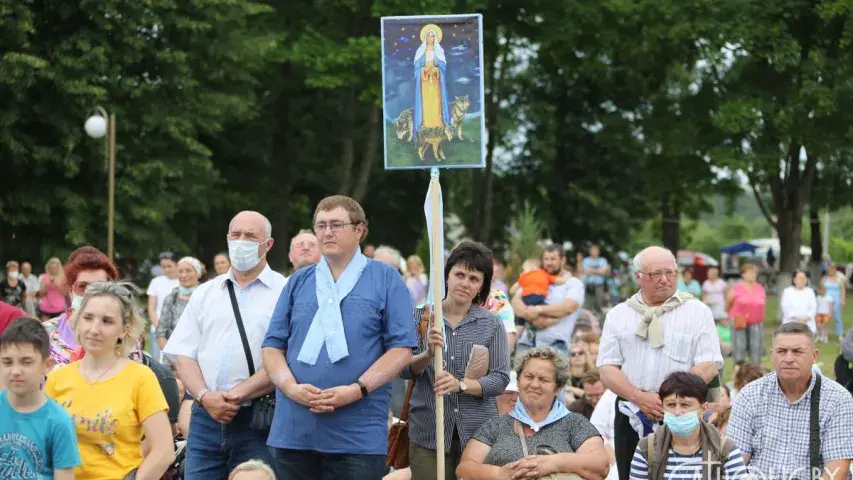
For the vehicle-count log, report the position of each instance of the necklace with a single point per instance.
(100, 375)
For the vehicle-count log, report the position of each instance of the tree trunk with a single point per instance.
(370, 151)
(350, 106)
(671, 225)
(816, 244)
(282, 160)
(492, 128)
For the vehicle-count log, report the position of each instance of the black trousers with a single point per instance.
(625, 440)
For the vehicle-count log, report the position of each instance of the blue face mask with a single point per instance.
(186, 291)
(681, 425)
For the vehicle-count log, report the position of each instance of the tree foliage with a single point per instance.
(606, 118)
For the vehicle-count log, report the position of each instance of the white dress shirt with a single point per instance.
(207, 330)
(602, 418)
(799, 303)
(690, 337)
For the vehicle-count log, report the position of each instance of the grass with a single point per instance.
(458, 152)
(827, 352)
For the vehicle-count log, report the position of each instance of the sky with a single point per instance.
(460, 40)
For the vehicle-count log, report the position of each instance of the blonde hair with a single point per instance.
(125, 293)
(748, 267)
(587, 358)
(252, 466)
(60, 271)
(416, 260)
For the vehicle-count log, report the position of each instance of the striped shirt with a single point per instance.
(687, 467)
(462, 412)
(690, 337)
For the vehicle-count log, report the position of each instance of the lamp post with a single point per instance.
(96, 127)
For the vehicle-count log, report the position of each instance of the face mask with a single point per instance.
(76, 302)
(12, 275)
(681, 425)
(243, 254)
(186, 291)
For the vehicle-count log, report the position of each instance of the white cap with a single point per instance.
(513, 383)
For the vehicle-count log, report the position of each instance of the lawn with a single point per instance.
(826, 351)
(458, 152)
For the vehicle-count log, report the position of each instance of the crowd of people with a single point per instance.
(330, 373)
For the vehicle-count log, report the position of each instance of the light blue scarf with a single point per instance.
(328, 323)
(558, 411)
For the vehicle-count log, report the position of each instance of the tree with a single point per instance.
(527, 232)
(171, 73)
(781, 71)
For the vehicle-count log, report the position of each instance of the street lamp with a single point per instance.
(96, 127)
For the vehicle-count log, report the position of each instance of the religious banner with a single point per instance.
(432, 91)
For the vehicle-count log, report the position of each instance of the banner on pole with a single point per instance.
(431, 214)
(432, 92)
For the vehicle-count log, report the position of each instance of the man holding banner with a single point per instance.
(341, 331)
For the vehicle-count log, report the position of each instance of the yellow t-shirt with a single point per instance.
(108, 416)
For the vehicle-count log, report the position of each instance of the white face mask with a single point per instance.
(12, 275)
(244, 254)
(76, 302)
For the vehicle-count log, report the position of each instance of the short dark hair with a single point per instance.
(590, 377)
(473, 256)
(27, 331)
(684, 385)
(794, 328)
(554, 248)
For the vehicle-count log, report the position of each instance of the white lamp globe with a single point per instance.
(96, 126)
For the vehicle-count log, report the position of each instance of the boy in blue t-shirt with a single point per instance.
(37, 436)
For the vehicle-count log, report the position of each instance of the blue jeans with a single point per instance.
(311, 465)
(213, 449)
(154, 348)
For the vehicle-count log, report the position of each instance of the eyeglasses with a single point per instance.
(320, 228)
(79, 287)
(576, 353)
(304, 245)
(658, 274)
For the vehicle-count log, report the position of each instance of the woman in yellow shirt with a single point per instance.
(113, 400)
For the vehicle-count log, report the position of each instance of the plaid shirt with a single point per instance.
(775, 432)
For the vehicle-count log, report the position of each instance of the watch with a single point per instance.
(462, 386)
(363, 388)
(200, 396)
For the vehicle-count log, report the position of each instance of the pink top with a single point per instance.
(53, 302)
(749, 303)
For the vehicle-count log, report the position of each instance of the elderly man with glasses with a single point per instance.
(654, 333)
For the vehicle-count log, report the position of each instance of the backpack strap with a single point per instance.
(647, 450)
(814, 426)
(726, 447)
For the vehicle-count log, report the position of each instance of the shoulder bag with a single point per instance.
(398, 434)
(263, 408)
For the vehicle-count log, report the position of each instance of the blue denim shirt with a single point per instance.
(377, 317)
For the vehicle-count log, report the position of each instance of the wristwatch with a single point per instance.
(462, 386)
(363, 388)
(201, 395)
